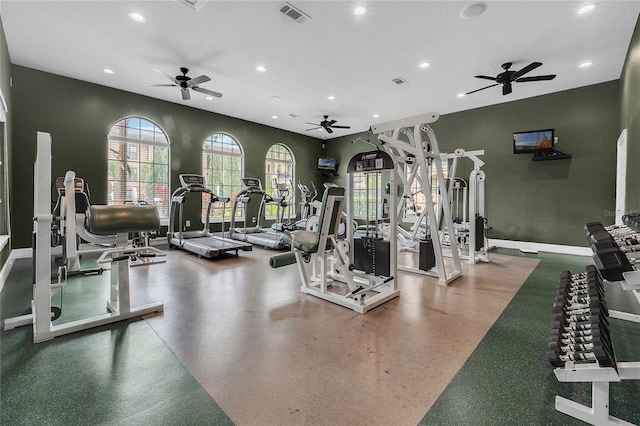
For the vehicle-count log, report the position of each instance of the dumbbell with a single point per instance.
(594, 331)
(593, 307)
(556, 341)
(598, 354)
(591, 227)
(598, 349)
(573, 346)
(612, 263)
(632, 221)
(590, 288)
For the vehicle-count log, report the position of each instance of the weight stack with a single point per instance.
(479, 233)
(427, 258)
(372, 255)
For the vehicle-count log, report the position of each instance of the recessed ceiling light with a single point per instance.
(376, 115)
(331, 98)
(461, 95)
(137, 17)
(586, 64)
(473, 10)
(274, 116)
(260, 68)
(586, 9)
(425, 65)
(108, 71)
(360, 10)
(209, 98)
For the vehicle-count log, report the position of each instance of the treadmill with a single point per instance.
(255, 234)
(203, 243)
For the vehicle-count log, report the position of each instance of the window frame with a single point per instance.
(163, 209)
(238, 186)
(270, 211)
(419, 200)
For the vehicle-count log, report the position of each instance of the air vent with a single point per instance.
(192, 4)
(292, 115)
(399, 81)
(294, 13)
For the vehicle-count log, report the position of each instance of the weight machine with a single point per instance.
(404, 140)
(101, 220)
(470, 229)
(329, 268)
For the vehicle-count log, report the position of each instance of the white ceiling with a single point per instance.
(334, 52)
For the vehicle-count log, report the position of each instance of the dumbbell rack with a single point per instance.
(615, 249)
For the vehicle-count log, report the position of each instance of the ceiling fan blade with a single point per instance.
(330, 123)
(170, 77)
(314, 124)
(199, 80)
(314, 128)
(523, 71)
(207, 92)
(537, 78)
(328, 129)
(486, 77)
(506, 88)
(340, 127)
(477, 90)
(185, 94)
(161, 85)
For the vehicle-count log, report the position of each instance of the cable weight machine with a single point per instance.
(412, 143)
(372, 253)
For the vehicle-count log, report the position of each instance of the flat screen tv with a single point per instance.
(533, 141)
(327, 164)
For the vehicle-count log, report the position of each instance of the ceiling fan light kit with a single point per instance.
(327, 125)
(185, 83)
(507, 77)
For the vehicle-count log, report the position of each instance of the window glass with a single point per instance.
(222, 168)
(279, 169)
(138, 164)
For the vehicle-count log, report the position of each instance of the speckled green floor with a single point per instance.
(122, 374)
(508, 380)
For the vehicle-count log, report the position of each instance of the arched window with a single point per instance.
(279, 169)
(138, 163)
(222, 166)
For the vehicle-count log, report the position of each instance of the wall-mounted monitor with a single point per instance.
(327, 164)
(533, 141)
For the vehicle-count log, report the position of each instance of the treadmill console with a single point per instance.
(191, 181)
(251, 183)
(78, 185)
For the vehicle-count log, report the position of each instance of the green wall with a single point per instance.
(79, 115)
(542, 201)
(5, 84)
(630, 118)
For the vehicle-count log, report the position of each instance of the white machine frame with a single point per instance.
(415, 152)
(366, 291)
(43, 289)
(476, 199)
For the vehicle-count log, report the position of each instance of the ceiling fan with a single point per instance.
(507, 77)
(327, 124)
(185, 83)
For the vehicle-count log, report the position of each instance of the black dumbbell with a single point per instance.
(612, 263)
(599, 355)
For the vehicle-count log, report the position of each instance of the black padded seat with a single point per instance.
(307, 241)
(109, 220)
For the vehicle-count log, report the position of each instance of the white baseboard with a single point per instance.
(529, 247)
(6, 268)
